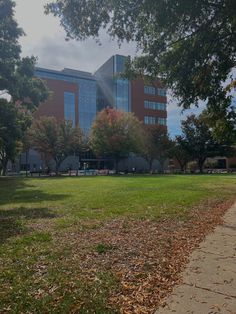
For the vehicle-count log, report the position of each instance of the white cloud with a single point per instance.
(45, 38)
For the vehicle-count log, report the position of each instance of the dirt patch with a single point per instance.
(146, 256)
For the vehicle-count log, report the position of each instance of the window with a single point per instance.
(162, 121)
(154, 120)
(161, 91)
(69, 107)
(154, 105)
(151, 90)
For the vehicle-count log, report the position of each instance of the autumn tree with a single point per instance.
(116, 134)
(190, 45)
(55, 140)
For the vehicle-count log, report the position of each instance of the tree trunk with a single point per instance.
(161, 162)
(26, 160)
(116, 165)
(4, 166)
(200, 165)
(58, 163)
(150, 165)
(182, 167)
(57, 168)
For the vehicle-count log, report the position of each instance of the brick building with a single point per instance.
(77, 96)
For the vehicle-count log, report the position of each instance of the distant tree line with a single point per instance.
(116, 134)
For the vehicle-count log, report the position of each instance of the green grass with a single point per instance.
(38, 274)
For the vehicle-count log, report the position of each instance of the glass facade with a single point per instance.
(122, 92)
(122, 95)
(154, 120)
(69, 107)
(151, 90)
(87, 106)
(113, 91)
(154, 105)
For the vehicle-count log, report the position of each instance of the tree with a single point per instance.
(55, 140)
(199, 142)
(18, 82)
(116, 134)
(12, 126)
(156, 145)
(16, 74)
(179, 152)
(190, 45)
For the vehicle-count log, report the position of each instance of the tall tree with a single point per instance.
(55, 140)
(16, 73)
(18, 82)
(199, 142)
(190, 45)
(116, 134)
(13, 124)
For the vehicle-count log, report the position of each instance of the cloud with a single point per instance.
(57, 53)
(45, 38)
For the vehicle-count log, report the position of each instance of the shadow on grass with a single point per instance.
(12, 221)
(17, 191)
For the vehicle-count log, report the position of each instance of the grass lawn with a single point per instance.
(65, 243)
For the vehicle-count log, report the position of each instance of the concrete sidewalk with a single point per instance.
(209, 281)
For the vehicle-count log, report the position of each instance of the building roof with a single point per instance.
(68, 72)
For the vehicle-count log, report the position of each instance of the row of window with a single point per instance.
(154, 105)
(154, 120)
(151, 90)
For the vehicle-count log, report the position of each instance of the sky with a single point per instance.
(45, 38)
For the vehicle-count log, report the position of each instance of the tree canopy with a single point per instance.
(16, 73)
(55, 140)
(198, 143)
(116, 134)
(190, 45)
(17, 80)
(157, 145)
(12, 127)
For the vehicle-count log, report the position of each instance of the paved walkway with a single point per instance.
(209, 281)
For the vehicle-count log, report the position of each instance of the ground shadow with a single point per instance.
(12, 191)
(18, 192)
(11, 220)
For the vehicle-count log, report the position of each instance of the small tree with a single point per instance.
(116, 134)
(179, 152)
(55, 140)
(156, 145)
(199, 141)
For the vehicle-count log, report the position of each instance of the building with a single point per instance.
(77, 96)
